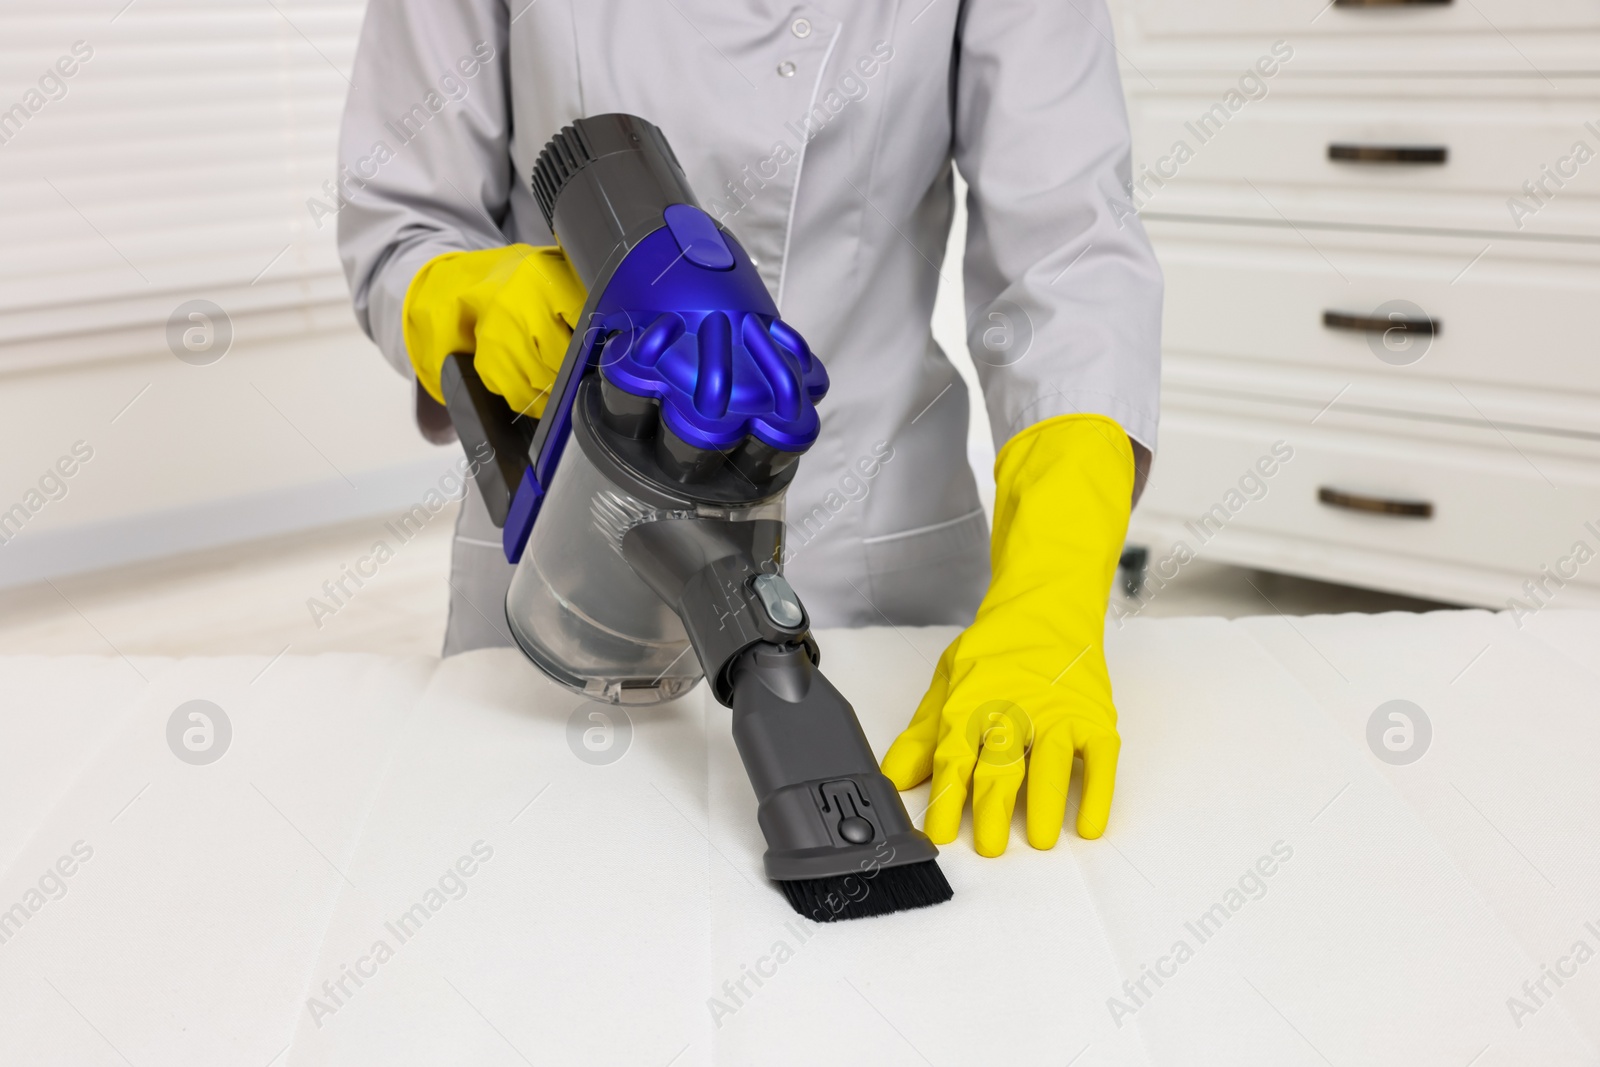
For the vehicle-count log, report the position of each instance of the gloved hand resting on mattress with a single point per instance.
(513, 308)
(1025, 686)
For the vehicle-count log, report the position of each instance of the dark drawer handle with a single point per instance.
(1389, 3)
(1344, 320)
(1410, 155)
(1375, 505)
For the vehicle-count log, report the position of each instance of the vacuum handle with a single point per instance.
(496, 439)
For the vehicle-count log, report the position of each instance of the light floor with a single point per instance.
(254, 598)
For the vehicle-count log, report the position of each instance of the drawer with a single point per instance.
(1439, 154)
(1492, 519)
(1512, 321)
(1536, 38)
(1419, 20)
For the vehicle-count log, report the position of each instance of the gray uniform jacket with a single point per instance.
(822, 134)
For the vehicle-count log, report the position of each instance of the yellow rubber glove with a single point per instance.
(1026, 683)
(513, 308)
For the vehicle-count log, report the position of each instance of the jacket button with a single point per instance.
(800, 27)
(786, 69)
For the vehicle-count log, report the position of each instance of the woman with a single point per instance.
(823, 138)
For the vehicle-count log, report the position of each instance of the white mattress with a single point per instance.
(614, 909)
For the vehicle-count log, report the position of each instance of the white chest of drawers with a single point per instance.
(1380, 227)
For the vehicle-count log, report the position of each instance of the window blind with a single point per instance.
(162, 151)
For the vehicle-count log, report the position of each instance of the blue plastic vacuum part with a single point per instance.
(683, 321)
(709, 346)
(698, 237)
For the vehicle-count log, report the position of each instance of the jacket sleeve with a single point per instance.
(1063, 291)
(424, 162)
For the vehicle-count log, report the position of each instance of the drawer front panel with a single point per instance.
(1531, 38)
(1488, 506)
(1447, 155)
(1418, 21)
(1308, 299)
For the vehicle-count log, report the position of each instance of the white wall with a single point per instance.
(175, 164)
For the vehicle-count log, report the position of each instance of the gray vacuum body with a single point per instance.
(646, 515)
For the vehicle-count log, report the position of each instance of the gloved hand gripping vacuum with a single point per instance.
(644, 511)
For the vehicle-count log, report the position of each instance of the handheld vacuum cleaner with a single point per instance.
(644, 511)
